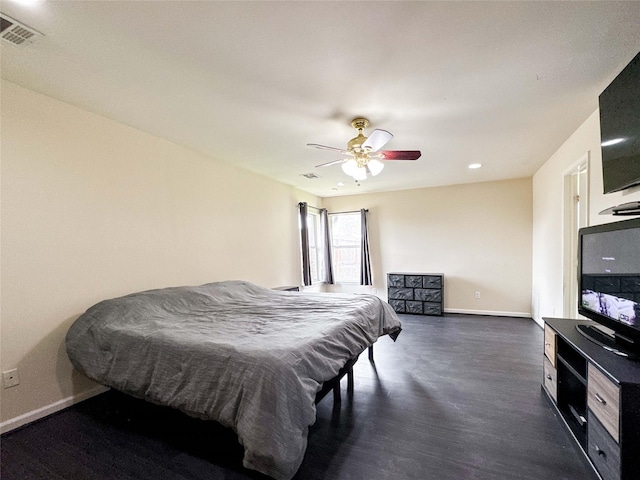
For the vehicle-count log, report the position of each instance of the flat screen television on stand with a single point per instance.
(609, 285)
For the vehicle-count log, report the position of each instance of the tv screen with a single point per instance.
(609, 276)
(620, 129)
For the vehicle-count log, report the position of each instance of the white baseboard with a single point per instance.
(39, 413)
(489, 312)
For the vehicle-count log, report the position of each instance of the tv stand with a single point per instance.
(596, 394)
(611, 343)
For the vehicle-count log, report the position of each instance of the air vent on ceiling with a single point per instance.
(310, 175)
(16, 33)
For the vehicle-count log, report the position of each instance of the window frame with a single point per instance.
(335, 248)
(316, 248)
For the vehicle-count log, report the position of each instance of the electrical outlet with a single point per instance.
(477, 294)
(10, 378)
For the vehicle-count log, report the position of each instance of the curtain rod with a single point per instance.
(350, 211)
(309, 206)
(333, 213)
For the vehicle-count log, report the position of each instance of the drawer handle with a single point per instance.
(549, 377)
(600, 399)
(600, 452)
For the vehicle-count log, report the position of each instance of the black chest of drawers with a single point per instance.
(416, 293)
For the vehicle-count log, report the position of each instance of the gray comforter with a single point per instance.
(246, 356)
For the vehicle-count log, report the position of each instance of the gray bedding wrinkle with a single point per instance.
(248, 357)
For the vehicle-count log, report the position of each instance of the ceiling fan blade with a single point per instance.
(332, 162)
(324, 147)
(377, 140)
(401, 154)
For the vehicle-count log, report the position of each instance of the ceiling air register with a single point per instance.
(16, 33)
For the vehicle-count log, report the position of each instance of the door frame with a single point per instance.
(575, 215)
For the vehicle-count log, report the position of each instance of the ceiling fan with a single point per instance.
(363, 154)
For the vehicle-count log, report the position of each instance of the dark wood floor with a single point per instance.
(455, 398)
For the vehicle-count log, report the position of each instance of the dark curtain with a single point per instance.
(365, 262)
(328, 261)
(304, 243)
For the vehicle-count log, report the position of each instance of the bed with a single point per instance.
(248, 357)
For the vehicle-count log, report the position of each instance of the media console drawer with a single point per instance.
(550, 344)
(603, 450)
(603, 398)
(550, 379)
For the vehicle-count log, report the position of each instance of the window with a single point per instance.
(345, 246)
(334, 247)
(316, 251)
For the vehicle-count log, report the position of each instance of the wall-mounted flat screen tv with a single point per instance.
(620, 129)
(609, 276)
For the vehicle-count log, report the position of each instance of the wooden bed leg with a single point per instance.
(371, 353)
(350, 381)
(336, 394)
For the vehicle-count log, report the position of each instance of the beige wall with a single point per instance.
(548, 213)
(93, 209)
(478, 235)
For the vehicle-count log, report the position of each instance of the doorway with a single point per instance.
(576, 216)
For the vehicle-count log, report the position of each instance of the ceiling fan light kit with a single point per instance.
(364, 152)
(375, 166)
(351, 168)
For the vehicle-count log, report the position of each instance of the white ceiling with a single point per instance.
(251, 83)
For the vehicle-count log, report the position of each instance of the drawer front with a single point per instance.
(428, 294)
(401, 293)
(414, 307)
(432, 308)
(413, 281)
(550, 344)
(603, 398)
(398, 305)
(430, 281)
(550, 379)
(603, 451)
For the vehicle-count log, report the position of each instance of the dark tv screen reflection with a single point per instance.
(610, 275)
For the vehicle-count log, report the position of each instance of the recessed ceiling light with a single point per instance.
(473, 166)
(613, 141)
(341, 184)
